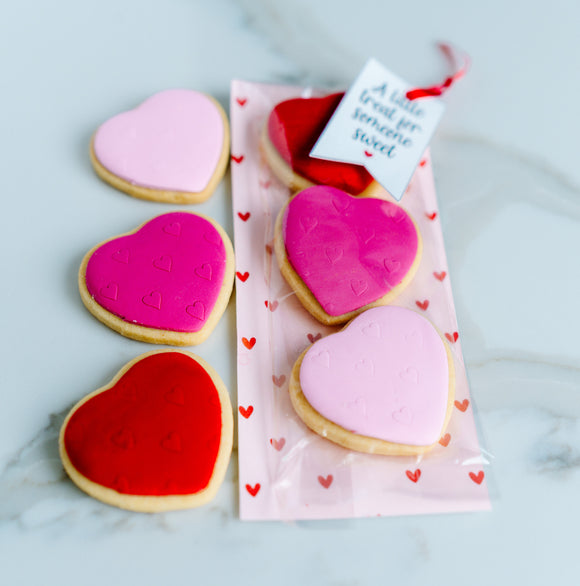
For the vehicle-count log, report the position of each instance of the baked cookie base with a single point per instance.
(154, 335)
(158, 504)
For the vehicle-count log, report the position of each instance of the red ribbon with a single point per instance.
(460, 61)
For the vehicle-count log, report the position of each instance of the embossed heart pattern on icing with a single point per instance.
(167, 275)
(348, 251)
(172, 141)
(386, 376)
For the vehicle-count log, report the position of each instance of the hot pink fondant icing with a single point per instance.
(385, 376)
(167, 275)
(348, 251)
(172, 141)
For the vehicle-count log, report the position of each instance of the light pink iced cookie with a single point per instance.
(342, 254)
(167, 282)
(384, 384)
(174, 148)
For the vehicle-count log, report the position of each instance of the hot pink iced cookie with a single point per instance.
(384, 384)
(167, 282)
(174, 147)
(343, 254)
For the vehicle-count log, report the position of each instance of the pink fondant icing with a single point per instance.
(167, 275)
(385, 376)
(348, 251)
(172, 141)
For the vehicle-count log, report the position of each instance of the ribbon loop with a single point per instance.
(461, 63)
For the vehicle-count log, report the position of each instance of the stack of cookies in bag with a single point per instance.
(385, 383)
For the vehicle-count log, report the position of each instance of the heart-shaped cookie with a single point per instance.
(168, 282)
(343, 254)
(158, 437)
(384, 384)
(293, 128)
(174, 147)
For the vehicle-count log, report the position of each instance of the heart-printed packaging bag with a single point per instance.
(286, 471)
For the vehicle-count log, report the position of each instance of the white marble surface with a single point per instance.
(508, 182)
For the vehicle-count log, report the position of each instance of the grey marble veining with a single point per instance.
(297, 33)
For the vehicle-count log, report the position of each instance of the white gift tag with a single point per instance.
(376, 126)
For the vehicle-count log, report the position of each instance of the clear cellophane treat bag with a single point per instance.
(287, 471)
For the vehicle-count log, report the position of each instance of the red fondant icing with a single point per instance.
(155, 432)
(294, 127)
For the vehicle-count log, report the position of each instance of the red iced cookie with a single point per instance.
(292, 130)
(158, 437)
